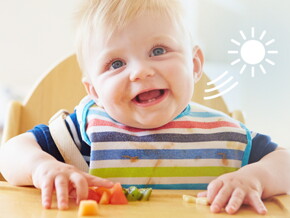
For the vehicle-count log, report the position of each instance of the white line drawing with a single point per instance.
(226, 82)
(223, 92)
(253, 51)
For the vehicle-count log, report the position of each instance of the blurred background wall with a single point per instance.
(265, 98)
(35, 34)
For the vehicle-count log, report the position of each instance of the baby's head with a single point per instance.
(138, 59)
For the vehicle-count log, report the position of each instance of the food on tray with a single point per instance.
(135, 194)
(202, 201)
(93, 195)
(189, 198)
(146, 193)
(105, 199)
(118, 195)
(88, 208)
(103, 195)
(197, 200)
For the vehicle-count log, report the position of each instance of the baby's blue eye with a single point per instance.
(117, 64)
(158, 51)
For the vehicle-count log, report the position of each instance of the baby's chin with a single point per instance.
(147, 125)
(150, 119)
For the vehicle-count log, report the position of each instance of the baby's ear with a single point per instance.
(90, 89)
(198, 61)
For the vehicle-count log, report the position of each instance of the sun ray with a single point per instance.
(223, 92)
(243, 68)
(270, 42)
(262, 35)
(253, 32)
(235, 42)
(272, 52)
(253, 71)
(262, 69)
(243, 35)
(219, 86)
(270, 62)
(233, 52)
(235, 62)
(217, 79)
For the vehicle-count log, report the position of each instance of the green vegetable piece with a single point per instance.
(146, 193)
(125, 191)
(134, 194)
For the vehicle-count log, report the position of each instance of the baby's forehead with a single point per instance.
(107, 17)
(146, 29)
(156, 33)
(111, 16)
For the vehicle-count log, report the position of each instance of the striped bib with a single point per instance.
(196, 147)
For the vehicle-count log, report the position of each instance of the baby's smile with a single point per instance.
(150, 97)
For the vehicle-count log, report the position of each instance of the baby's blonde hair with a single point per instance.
(109, 16)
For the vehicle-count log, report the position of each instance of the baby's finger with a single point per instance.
(213, 189)
(235, 201)
(97, 181)
(202, 194)
(221, 199)
(61, 188)
(46, 193)
(256, 202)
(73, 193)
(81, 186)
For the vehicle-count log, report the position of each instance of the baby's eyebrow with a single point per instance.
(164, 38)
(106, 54)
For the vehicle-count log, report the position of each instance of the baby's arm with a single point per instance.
(23, 162)
(267, 177)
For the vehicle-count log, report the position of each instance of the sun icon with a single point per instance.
(253, 52)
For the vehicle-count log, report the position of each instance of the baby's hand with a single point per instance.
(64, 179)
(231, 190)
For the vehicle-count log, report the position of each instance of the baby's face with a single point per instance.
(144, 73)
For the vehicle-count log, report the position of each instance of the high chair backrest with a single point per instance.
(61, 88)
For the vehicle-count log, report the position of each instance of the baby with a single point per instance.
(138, 125)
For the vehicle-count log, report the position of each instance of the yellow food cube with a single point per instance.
(88, 208)
(197, 200)
(202, 201)
(189, 198)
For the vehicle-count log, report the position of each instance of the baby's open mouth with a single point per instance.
(149, 96)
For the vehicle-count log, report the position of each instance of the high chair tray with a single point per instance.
(25, 202)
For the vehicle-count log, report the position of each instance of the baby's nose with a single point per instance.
(141, 72)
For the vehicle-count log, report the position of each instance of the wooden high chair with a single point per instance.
(61, 87)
